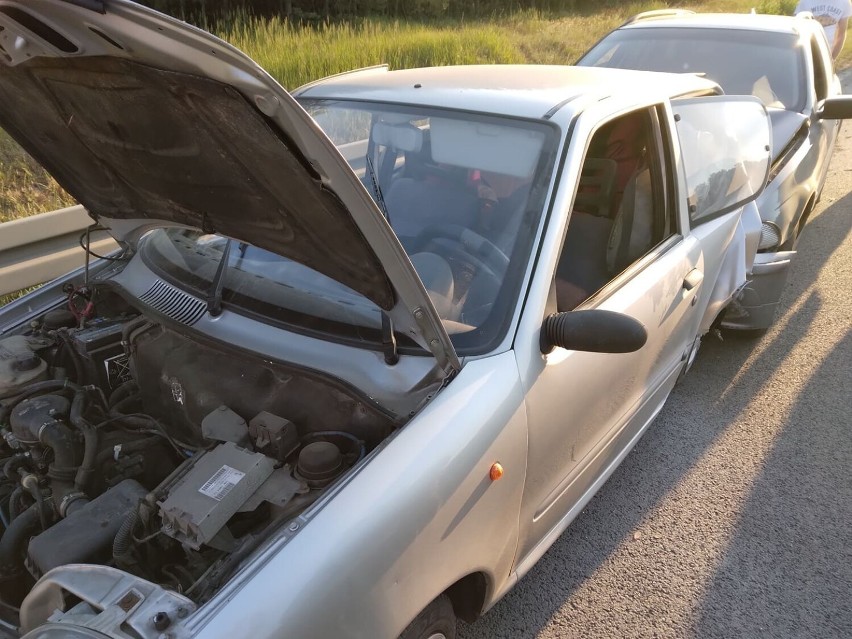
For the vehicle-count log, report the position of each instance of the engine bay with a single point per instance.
(129, 441)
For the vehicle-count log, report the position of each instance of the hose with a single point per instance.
(37, 387)
(124, 537)
(127, 448)
(65, 447)
(10, 468)
(14, 502)
(90, 441)
(33, 389)
(16, 536)
(120, 407)
(72, 354)
(122, 392)
(142, 422)
(42, 513)
(128, 328)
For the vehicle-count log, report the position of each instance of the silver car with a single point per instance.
(786, 62)
(361, 358)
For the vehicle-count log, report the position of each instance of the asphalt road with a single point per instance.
(732, 517)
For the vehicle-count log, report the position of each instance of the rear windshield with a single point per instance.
(766, 65)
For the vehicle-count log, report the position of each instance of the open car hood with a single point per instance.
(148, 122)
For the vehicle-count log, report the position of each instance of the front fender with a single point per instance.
(420, 515)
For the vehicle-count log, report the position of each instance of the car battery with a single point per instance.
(104, 359)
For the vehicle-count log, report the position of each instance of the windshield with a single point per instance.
(464, 194)
(743, 62)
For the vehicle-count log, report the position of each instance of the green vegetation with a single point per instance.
(5, 299)
(777, 7)
(25, 187)
(306, 11)
(296, 54)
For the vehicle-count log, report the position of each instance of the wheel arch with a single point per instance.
(790, 243)
(806, 213)
(468, 596)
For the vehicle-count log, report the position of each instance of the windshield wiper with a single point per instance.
(377, 190)
(214, 298)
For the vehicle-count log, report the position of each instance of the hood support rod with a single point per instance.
(389, 340)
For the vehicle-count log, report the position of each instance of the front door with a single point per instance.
(642, 256)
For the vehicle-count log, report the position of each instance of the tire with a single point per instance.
(437, 621)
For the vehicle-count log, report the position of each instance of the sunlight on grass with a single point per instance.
(295, 55)
(11, 297)
(25, 187)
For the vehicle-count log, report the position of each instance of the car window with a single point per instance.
(725, 143)
(464, 194)
(743, 62)
(620, 211)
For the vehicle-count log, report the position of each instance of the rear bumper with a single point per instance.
(756, 304)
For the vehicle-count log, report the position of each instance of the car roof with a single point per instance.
(527, 91)
(793, 25)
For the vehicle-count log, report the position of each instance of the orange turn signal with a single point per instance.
(496, 471)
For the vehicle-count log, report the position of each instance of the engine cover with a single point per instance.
(183, 380)
(86, 535)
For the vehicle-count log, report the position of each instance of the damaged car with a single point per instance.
(786, 62)
(366, 350)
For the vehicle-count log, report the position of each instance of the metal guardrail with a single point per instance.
(42, 247)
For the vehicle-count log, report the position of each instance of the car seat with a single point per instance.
(597, 248)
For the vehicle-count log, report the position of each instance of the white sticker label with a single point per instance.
(221, 483)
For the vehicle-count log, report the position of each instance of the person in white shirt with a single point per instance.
(834, 16)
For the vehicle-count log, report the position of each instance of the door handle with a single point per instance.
(692, 279)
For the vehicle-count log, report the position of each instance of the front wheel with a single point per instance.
(437, 621)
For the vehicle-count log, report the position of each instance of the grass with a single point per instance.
(296, 55)
(5, 299)
(25, 187)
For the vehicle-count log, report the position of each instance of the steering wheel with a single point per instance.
(481, 252)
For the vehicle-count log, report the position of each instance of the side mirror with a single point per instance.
(838, 108)
(593, 331)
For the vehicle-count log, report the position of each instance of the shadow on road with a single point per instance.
(788, 569)
(700, 409)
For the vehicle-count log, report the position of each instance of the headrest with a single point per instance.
(402, 137)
